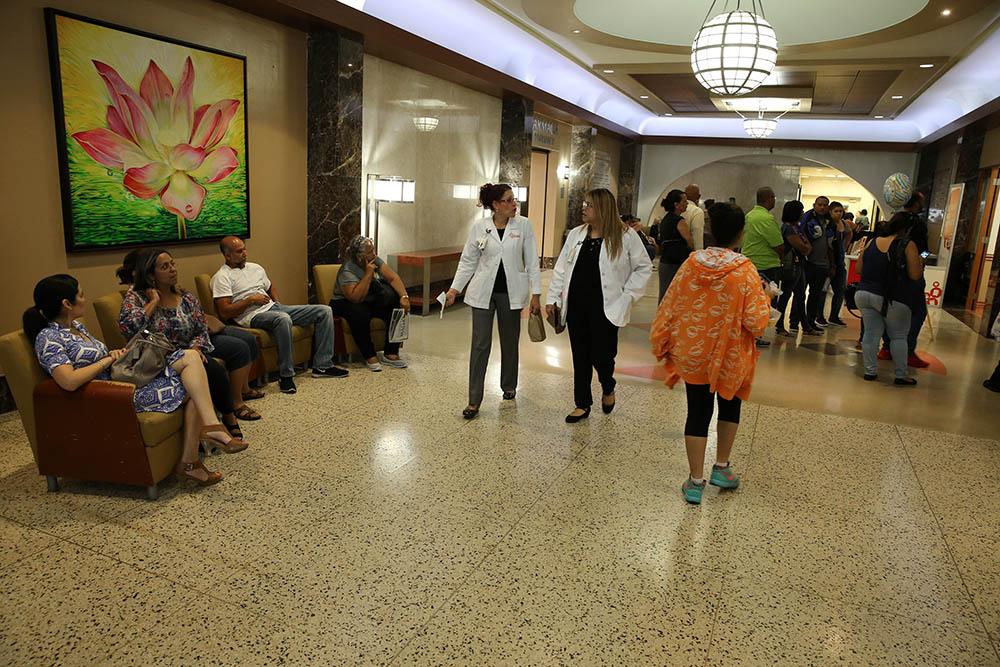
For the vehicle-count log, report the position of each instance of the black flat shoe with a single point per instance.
(906, 382)
(572, 419)
(605, 407)
(470, 413)
(992, 387)
(509, 395)
(871, 377)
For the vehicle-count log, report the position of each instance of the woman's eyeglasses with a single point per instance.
(587, 204)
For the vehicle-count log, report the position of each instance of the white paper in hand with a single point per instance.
(442, 298)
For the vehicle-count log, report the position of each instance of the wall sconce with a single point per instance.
(521, 194)
(563, 172)
(387, 189)
(425, 123)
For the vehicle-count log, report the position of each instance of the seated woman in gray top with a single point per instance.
(367, 288)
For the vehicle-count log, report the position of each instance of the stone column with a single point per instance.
(628, 178)
(516, 122)
(581, 171)
(335, 73)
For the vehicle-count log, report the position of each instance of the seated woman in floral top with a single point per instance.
(155, 303)
(73, 357)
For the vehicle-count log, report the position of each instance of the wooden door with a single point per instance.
(991, 185)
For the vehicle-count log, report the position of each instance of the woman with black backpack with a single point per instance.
(675, 239)
(887, 265)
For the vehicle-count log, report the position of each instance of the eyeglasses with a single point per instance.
(508, 201)
(587, 204)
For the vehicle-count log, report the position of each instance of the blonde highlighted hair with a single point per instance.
(608, 223)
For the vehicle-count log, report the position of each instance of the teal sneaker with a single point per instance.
(692, 491)
(724, 478)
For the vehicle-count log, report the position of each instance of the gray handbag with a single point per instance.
(145, 357)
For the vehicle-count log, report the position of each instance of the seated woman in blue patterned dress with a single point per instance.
(73, 357)
(155, 303)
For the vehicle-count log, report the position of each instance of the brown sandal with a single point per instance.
(231, 446)
(253, 395)
(246, 413)
(184, 471)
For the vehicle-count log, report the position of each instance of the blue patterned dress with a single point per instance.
(57, 345)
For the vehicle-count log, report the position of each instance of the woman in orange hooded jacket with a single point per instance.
(704, 333)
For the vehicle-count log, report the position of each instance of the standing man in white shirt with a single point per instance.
(243, 292)
(695, 216)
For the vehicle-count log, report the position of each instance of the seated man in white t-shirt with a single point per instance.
(243, 292)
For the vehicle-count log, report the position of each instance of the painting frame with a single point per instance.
(228, 161)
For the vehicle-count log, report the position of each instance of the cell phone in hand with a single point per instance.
(925, 254)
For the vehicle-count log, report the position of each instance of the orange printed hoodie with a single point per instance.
(705, 326)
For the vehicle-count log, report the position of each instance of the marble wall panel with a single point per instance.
(630, 165)
(448, 163)
(336, 75)
(581, 171)
(516, 122)
(967, 172)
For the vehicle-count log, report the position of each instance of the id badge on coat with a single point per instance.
(481, 243)
(572, 253)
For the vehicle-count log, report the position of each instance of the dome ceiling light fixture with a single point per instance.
(425, 123)
(760, 127)
(734, 52)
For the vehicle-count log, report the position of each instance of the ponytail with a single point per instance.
(49, 294)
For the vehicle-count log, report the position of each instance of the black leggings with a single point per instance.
(701, 406)
(218, 386)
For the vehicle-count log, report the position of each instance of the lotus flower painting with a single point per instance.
(152, 137)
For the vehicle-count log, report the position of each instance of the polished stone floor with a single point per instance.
(369, 524)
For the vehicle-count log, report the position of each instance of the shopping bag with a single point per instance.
(399, 326)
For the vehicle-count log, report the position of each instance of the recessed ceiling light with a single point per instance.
(879, 116)
(644, 97)
(926, 66)
(576, 32)
(611, 71)
(897, 97)
(946, 12)
(668, 114)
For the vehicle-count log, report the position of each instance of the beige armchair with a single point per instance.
(302, 337)
(325, 277)
(92, 433)
(108, 308)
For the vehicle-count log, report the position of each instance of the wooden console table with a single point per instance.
(425, 259)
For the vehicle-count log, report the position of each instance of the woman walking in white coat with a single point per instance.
(602, 269)
(500, 266)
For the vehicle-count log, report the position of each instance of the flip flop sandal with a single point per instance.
(247, 414)
(253, 395)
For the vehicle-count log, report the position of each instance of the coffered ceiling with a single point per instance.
(852, 59)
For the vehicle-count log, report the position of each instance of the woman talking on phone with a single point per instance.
(500, 265)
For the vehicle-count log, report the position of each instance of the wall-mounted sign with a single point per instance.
(544, 132)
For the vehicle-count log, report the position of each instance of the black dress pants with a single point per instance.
(816, 278)
(594, 342)
(359, 317)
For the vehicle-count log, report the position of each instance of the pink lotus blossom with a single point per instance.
(164, 146)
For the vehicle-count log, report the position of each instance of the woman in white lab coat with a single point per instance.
(500, 266)
(602, 269)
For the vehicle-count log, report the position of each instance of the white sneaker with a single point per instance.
(374, 368)
(395, 363)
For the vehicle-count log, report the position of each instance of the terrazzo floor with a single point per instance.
(369, 524)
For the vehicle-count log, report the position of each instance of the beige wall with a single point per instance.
(31, 220)
(845, 190)
(464, 150)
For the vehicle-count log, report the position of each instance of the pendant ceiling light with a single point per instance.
(425, 123)
(758, 128)
(734, 52)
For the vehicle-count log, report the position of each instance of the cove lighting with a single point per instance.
(766, 104)
(357, 4)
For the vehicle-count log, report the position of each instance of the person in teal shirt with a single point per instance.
(763, 243)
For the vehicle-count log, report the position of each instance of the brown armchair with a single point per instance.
(325, 277)
(301, 336)
(92, 433)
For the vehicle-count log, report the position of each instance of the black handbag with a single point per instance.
(849, 300)
(145, 357)
(380, 295)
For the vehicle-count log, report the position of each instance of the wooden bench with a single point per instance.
(426, 259)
